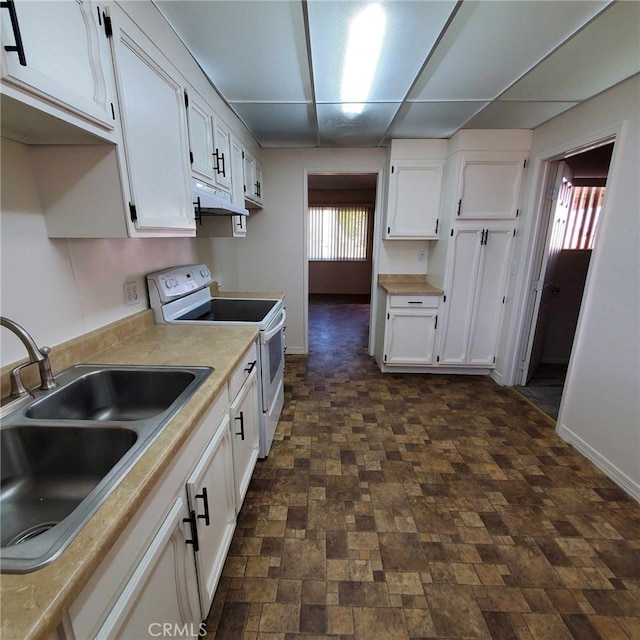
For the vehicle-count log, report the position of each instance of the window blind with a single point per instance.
(339, 232)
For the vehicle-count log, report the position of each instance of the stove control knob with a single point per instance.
(167, 283)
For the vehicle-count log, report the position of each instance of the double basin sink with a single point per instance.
(64, 452)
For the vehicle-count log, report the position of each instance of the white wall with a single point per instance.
(272, 257)
(600, 412)
(60, 289)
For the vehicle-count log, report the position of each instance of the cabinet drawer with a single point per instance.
(414, 302)
(243, 370)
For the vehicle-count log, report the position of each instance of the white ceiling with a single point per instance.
(444, 65)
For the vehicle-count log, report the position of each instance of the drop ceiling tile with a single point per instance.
(517, 115)
(432, 119)
(489, 45)
(279, 125)
(252, 51)
(601, 55)
(411, 30)
(362, 130)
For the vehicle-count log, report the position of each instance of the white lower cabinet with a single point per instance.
(410, 330)
(165, 566)
(162, 590)
(212, 513)
(245, 434)
(475, 295)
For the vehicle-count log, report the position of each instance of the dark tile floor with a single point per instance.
(418, 506)
(545, 388)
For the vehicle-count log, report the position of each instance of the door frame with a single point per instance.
(521, 322)
(377, 236)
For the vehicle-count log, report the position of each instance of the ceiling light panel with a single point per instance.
(252, 51)
(489, 45)
(410, 31)
(432, 119)
(517, 115)
(364, 129)
(279, 125)
(604, 53)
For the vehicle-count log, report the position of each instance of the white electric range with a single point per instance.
(181, 295)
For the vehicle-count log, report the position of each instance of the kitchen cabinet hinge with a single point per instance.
(388, 316)
(514, 233)
(437, 358)
(437, 223)
(459, 206)
(523, 364)
(517, 212)
(133, 213)
(186, 100)
(452, 233)
(503, 299)
(392, 168)
(385, 357)
(243, 155)
(108, 28)
(524, 164)
(494, 359)
(113, 111)
(435, 324)
(388, 229)
(553, 193)
(191, 157)
(444, 298)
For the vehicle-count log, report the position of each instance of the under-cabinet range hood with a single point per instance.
(210, 201)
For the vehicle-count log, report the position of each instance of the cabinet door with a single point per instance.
(489, 187)
(413, 206)
(488, 310)
(162, 589)
(459, 295)
(409, 337)
(66, 54)
(239, 226)
(210, 491)
(237, 172)
(244, 426)
(259, 198)
(222, 155)
(155, 135)
(200, 137)
(249, 176)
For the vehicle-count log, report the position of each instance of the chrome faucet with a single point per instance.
(41, 356)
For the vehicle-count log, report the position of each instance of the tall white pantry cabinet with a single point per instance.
(464, 194)
(482, 200)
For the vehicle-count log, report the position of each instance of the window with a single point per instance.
(580, 230)
(339, 232)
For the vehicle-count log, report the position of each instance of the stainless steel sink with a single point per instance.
(66, 451)
(113, 395)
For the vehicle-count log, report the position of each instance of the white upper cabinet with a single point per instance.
(61, 56)
(252, 179)
(200, 137)
(222, 170)
(489, 185)
(413, 189)
(155, 135)
(413, 206)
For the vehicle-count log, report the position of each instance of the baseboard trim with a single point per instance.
(620, 478)
(296, 351)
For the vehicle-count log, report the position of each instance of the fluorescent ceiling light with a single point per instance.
(364, 43)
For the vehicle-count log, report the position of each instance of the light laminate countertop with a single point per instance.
(33, 604)
(409, 284)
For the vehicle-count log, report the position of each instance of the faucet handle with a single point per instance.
(45, 351)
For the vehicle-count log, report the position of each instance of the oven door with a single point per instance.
(272, 360)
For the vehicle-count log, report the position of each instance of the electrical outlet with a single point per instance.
(131, 293)
(421, 255)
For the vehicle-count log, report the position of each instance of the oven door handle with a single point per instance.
(265, 336)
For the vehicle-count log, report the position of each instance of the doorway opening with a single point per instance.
(576, 186)
(340, 230)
